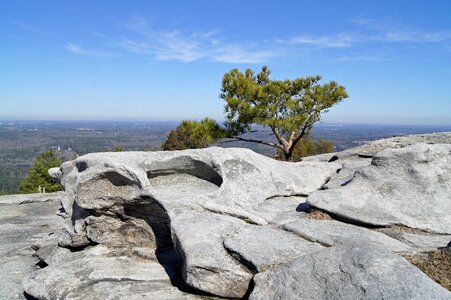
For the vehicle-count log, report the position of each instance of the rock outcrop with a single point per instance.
(27, 223)
(184, 202)
(372, 148)
(409, 186)
(231, 223)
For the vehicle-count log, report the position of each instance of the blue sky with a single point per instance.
(164, 60)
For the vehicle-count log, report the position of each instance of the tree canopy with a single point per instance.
(194, 134)
(289, 108)
(39, 176)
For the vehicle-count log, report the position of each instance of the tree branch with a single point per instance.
(255, 130)
(292, 135)
(301, 134)
(279, 137)
(251, 140)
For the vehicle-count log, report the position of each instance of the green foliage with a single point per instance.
(288, 107)
(194, 134)
(38, 175)
(308, 146)
(118, 149)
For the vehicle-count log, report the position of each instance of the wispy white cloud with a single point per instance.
(370, 56)
(240, 54)
(388, 31)
(175, 46)
(26, 27)
(369, 31)
(400, 36)
(358, 44)
(340, 40)
(77, 49)
(134, 47)
(188, 46)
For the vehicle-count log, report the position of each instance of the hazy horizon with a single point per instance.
(171, 121)
(164, 60)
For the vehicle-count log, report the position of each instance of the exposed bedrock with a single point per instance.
(27, 222)
(213, 222)
(409, 186)
(187, 202)
(374, 147)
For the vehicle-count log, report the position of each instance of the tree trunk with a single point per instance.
(288, 153)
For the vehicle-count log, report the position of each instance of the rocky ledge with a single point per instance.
(231, 223)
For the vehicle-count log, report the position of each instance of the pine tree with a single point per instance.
(289, 108)
(38, 175)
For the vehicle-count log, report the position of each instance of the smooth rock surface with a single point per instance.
(56, 174)
(371, 148)
(263, 247)
(332, 233)
(131, 290)
(409, 186)
(280, 210)
(320, 157)
(25, 221)
(55, 282)
(207, 265)
(354, 271)
(346, 173)
(31, 198)
(426, 242)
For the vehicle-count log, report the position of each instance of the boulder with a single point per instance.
(408, 186)
(206, 265)
(230, 181)
(56, 174)
(352, 271)
(188, 201)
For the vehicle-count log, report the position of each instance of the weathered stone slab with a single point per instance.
(347, 171)
(332, 233)
(408, 186)
(354, 271)
(263, 247)
(25, 221)
(320, 157)
(426, 242)
(31, 198)
(280, 210)
(207, 266)
(131, 290)
(371, 148)
(55, 282)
